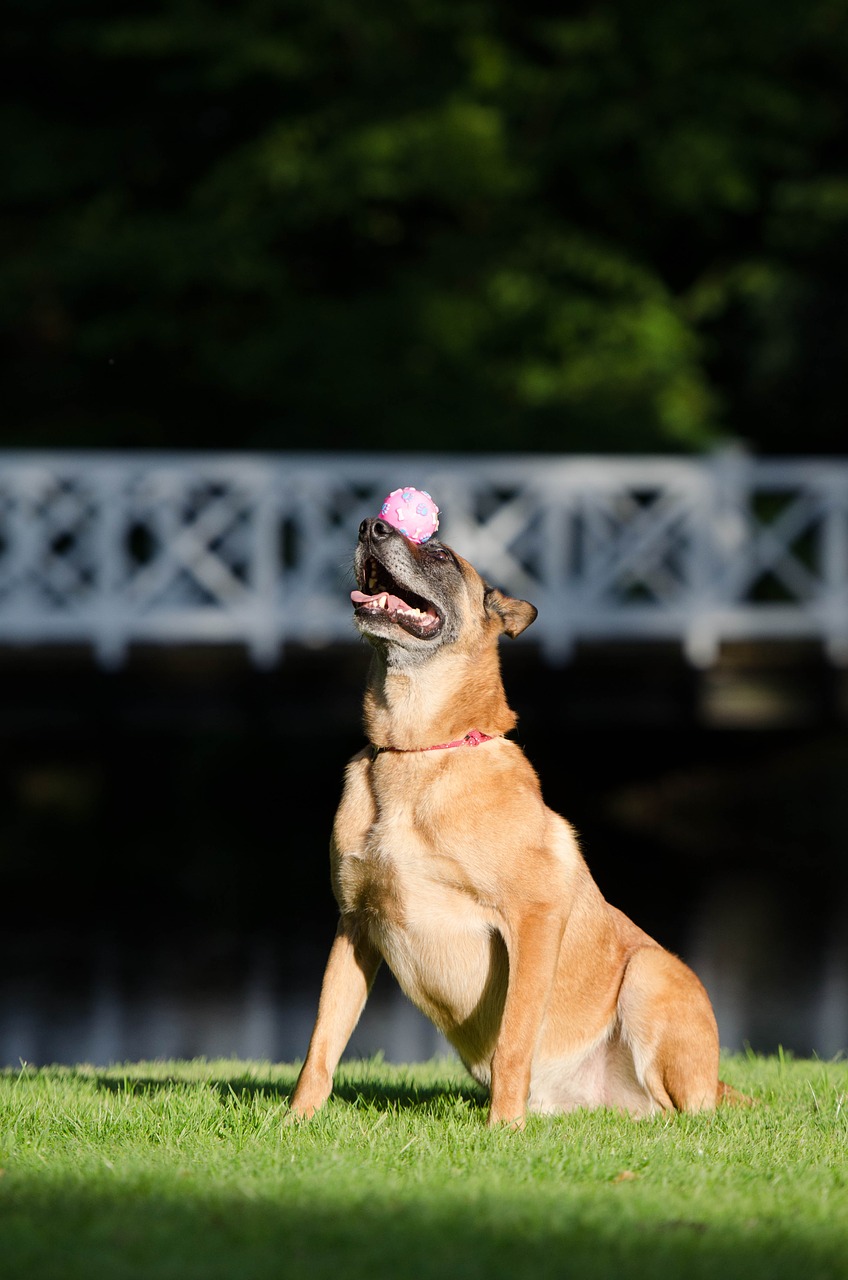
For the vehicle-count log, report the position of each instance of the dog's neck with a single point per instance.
(410, 708)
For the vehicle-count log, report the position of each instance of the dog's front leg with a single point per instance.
(533, 944)
(348, 977)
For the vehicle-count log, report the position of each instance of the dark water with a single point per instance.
(104, 1002)
(774, 981)
(163, 846)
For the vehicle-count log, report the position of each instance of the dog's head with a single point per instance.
(414, 599)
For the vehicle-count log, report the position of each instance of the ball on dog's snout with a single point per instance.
(412, 512)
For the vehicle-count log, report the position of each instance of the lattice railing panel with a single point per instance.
(112, 550)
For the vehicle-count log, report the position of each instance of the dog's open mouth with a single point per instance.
(381, 596)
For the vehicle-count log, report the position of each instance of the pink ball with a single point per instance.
(412, 512)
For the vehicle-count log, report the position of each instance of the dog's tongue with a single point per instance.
(391, 602)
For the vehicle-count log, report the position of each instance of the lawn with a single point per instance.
(188, 1169)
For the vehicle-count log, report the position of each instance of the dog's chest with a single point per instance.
(396, 878)
(368, 884)
(396, 859)
(434, 936)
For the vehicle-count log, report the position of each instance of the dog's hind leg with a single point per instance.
(351, 969)
(668, 1022)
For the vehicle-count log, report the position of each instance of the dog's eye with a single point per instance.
(436, 553)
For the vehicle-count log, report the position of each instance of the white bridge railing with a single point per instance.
(118, 549)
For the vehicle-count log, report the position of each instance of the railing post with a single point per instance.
(834, 568)
(720, 540)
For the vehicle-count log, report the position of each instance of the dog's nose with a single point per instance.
(376, 528)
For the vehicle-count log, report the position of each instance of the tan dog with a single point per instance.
(447, 864)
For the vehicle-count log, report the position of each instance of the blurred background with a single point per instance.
(588, 275)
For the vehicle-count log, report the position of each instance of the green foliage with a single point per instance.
(460, 225)
(162, 1170)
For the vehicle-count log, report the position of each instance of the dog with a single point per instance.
(447, 864)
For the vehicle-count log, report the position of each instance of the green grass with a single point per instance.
(186, 1170)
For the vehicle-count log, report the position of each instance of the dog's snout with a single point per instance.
(376, 528)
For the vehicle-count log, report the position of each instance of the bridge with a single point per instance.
(112, 550)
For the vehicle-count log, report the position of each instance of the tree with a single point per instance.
(446, 225)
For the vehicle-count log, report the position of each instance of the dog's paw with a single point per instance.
(730, 1097)
(514, 1124)
(299, 1115)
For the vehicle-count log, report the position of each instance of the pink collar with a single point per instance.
(472, 739)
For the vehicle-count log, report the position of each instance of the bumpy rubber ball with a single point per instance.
(412, 512)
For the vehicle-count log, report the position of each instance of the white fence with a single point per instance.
(112, 550)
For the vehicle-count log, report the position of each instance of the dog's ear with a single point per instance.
(514, 616)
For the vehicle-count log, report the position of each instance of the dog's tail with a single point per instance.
(729, 1097)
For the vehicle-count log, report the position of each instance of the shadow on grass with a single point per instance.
(66, 1234)
(389, 1096)
(382, 1095)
